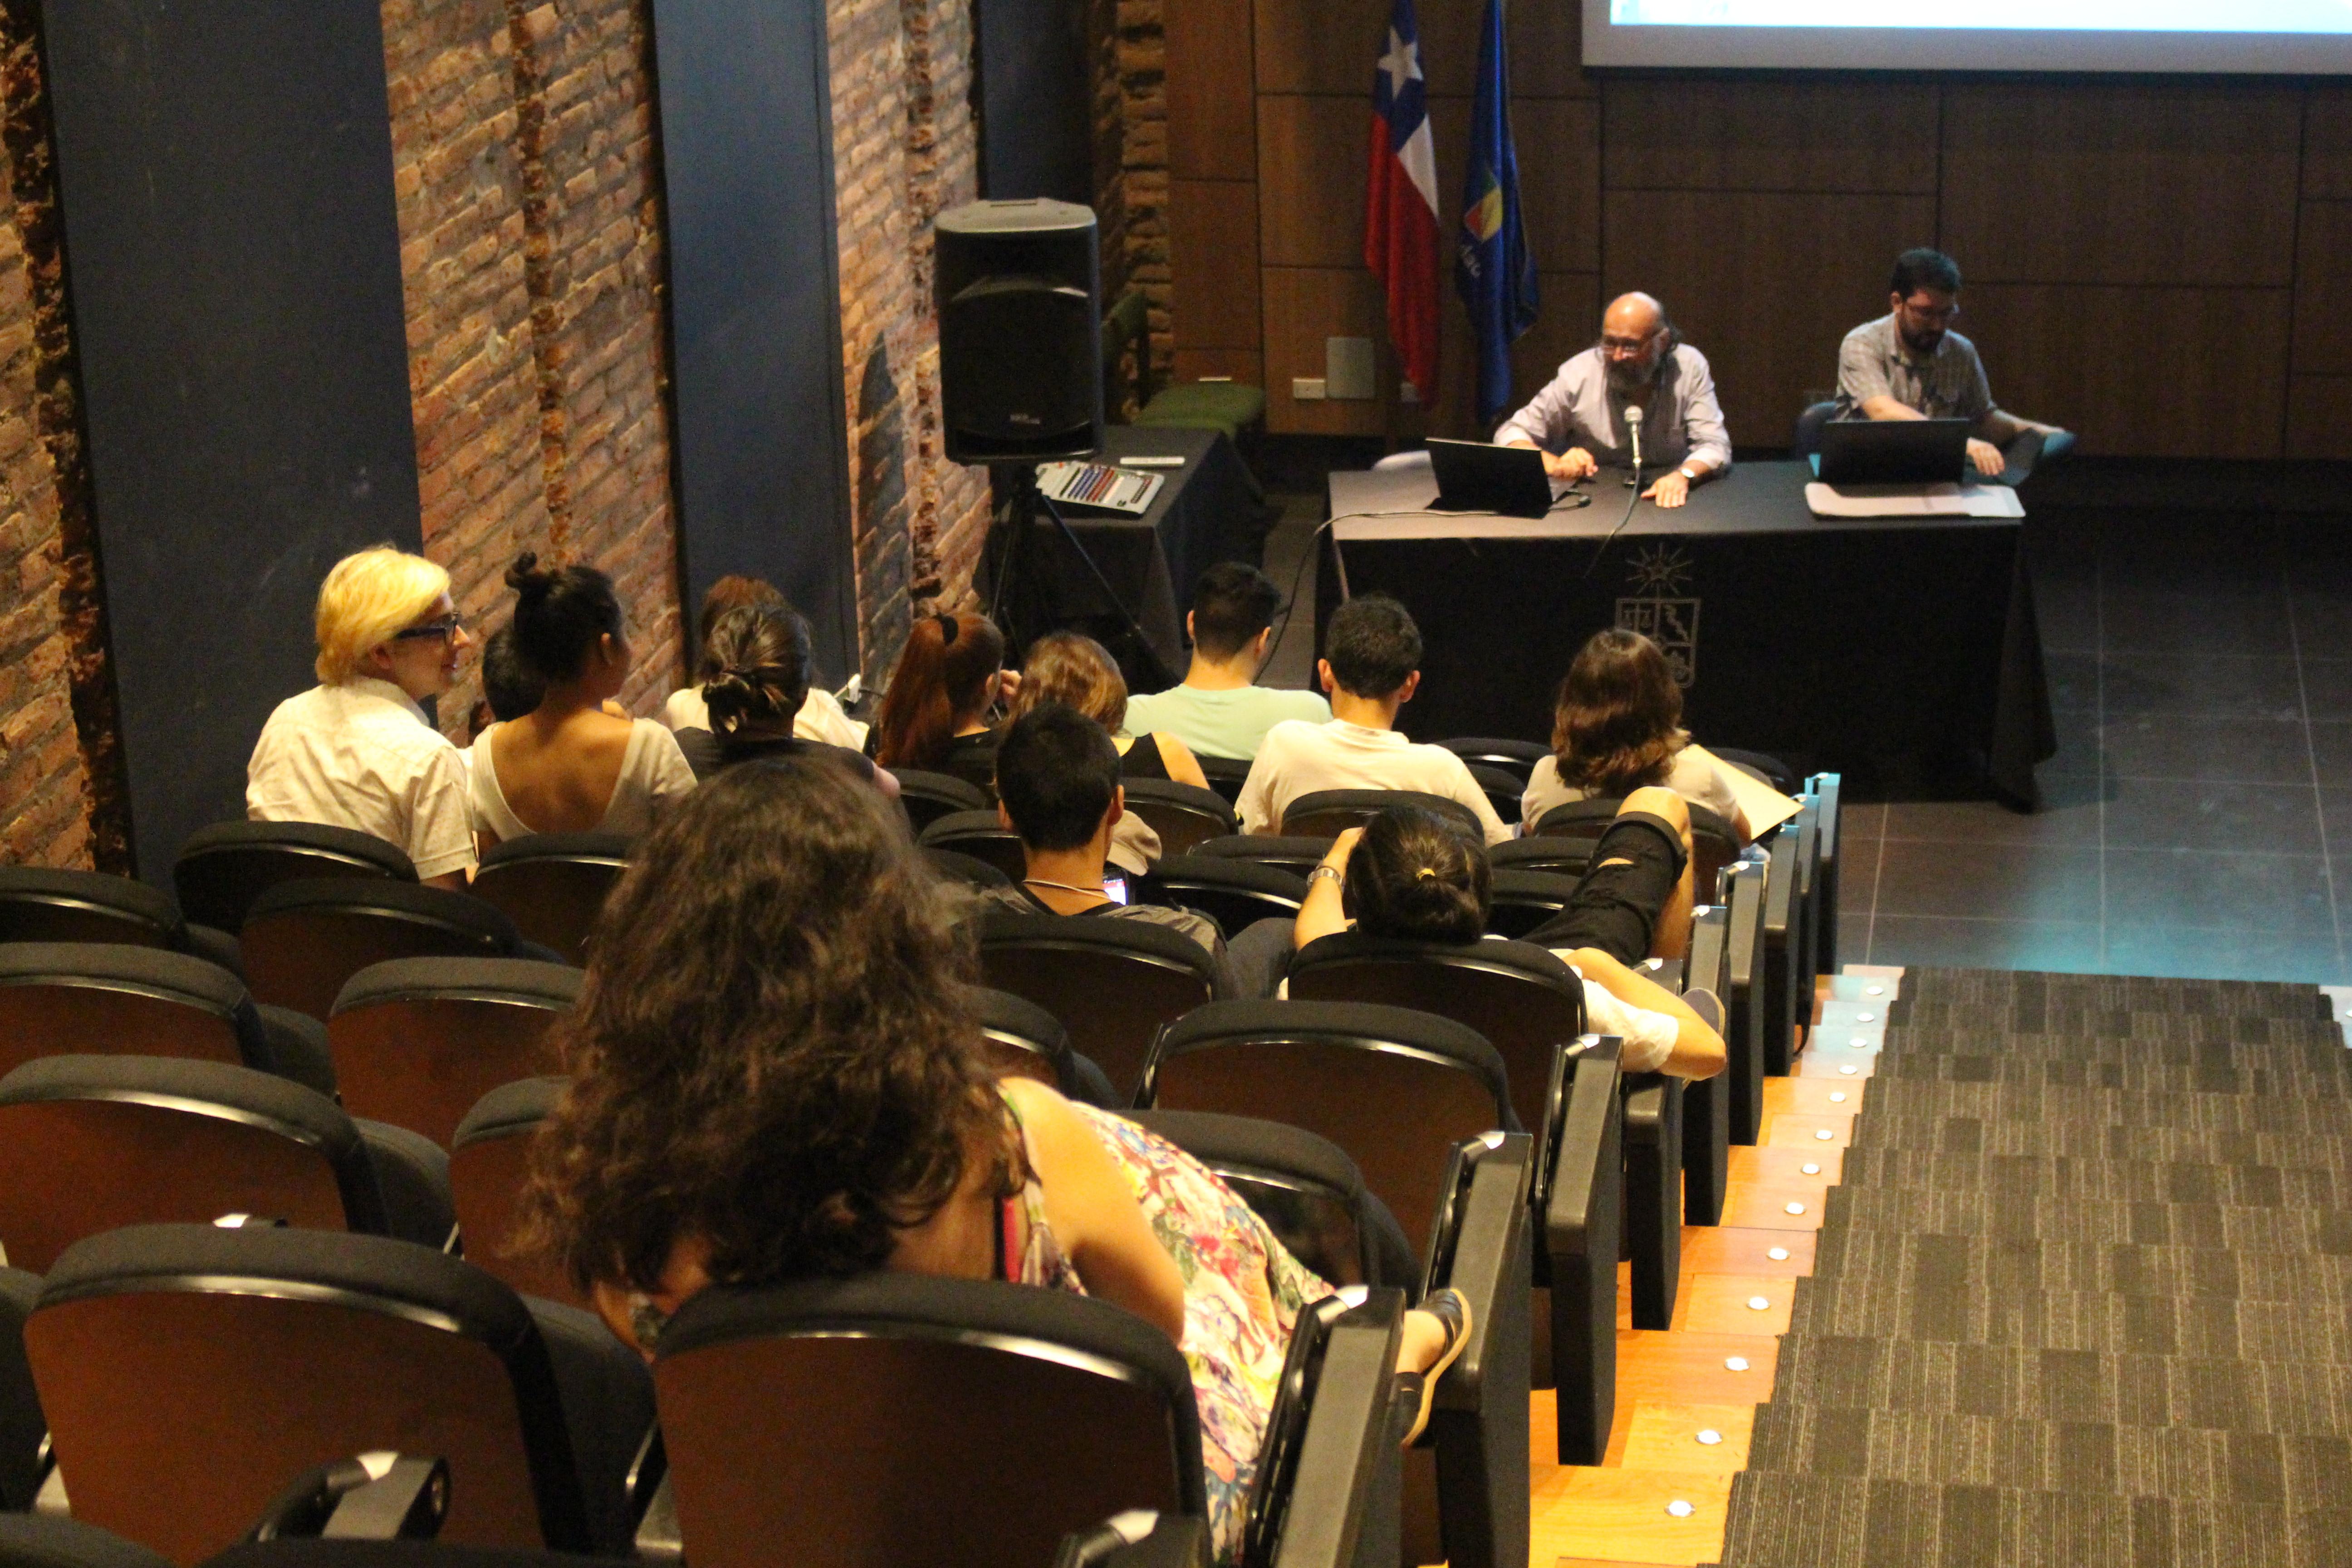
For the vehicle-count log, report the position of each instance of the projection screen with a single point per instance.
(2299, 37)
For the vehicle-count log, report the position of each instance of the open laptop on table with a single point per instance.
(1473, 476)
(1894, 452)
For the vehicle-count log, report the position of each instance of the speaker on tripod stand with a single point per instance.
(1020, 303)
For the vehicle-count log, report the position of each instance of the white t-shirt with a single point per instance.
(1229, 724)
(1297, 758)
(1649, 1037)
(653, 772)
(1695, 776)
(360, 755)
(821, 717)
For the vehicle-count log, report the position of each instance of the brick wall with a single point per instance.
(1132, 144)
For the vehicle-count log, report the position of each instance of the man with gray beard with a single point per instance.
(1641, 362)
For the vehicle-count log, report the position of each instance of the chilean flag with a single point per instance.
(1400, 226)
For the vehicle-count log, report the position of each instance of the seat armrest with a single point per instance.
(1346, 1450)
(658, 1539)
(1138, 1539)
(1484, 1256)
(1583, 1218)
(1480, 1419)
(374, 1497)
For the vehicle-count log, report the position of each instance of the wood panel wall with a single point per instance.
(2160, 264)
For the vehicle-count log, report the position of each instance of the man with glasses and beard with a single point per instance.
(1910, 365)
(1641, 362)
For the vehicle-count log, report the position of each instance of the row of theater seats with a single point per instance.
(1528, 1223)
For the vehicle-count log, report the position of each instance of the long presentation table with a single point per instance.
(1903, 652)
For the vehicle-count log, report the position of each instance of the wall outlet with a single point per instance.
(1348, 368)
(1305, 389)
(1407, 393)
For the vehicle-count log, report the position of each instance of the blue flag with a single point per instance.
(1492, 267)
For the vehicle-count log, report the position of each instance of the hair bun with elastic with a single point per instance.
(526, 578)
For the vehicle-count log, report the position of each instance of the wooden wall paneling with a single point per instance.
(1559, 140)
(2327, 142)
(2140, 372)
(1770, 134)
(1329, 46)
(2323, 283)
(1570, 324)
(1324, 46)
(1304, 305)
(1241, 365)
(2125, 183)
(1764, 284)
(1212, 260)
(1212, 91)
(1546, 41)
(1313, 155)
(2319, 416)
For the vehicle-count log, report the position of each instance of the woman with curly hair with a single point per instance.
(1616, 727)
(1074, 671)
(776, 1078)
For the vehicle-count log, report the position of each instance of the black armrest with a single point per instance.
(1653, 1209)
(1479, 1422)
(1826, 788)
(658, 1540)
(1743, 1001)
(1706, 1103)
(1583, 1199)
(375, 1497)
(1138, 1539)
(1781, 910)
(1343, 1491)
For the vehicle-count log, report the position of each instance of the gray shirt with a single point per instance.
(1949, 383)
(1680, 416)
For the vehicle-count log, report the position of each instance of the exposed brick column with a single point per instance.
(1136, 93)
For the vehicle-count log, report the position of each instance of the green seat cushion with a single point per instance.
(1228, 405)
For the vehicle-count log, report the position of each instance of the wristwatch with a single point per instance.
(1684, 471)
(1331, 871)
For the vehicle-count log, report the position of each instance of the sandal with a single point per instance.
(1448, 1307)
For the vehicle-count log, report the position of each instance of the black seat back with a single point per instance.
(1297, 855)
(1515, 758)
(1557, 857)
(225, 867)
(982, 835)
(1233, 892)
(41, 904)
(303, 941)
(955, 866)
(188, 1371)
(1825, 789)
(554, 885)
(1505, 790)
(1523, 1001)
(928, 796)
(1396, 1089)
(91, 1143)
(1524, 900)
(106, 999)
(1112, 983)
(1225, 775)
(490, 1164)
(417, 1041)
(901, 1418)
(1182, 814)
(1021, 1039)
(1305, 1188)
(1328, 813)
(1714, 845)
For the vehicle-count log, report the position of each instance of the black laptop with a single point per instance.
(1475, 476)
(1894, 451)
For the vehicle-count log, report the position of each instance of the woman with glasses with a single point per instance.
(569, 765)
(357, 751)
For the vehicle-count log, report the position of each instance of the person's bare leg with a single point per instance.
(1670, 937)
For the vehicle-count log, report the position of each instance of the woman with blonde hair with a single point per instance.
(1078, 672)
(1617, 727)
(357, 751)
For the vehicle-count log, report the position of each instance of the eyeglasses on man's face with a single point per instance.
(445, 629)
(1929, 312)
(1614, 347)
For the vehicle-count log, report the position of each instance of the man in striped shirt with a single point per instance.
(1910, 365)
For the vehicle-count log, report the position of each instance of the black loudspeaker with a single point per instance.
(1020, 298)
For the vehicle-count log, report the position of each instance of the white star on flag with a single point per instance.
(1402, 62)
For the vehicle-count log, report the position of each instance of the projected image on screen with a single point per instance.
(2305, 37)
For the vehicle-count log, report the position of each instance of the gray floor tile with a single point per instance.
(2153, 813)
(2331, 751)
(2205, 685)
(2206, 553)
(2198, 954)
(2065, 947)
(2073, 679)
(2068, 615)
(2144, 620)
(2323, 620)
(2195, 886)
(2252, 750)
(2328, 685)
(2078, 746)
(2074, 822)
(2335, 816)
(1990, 881)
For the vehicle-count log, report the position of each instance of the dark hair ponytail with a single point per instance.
(560, 611)
(1417, 874)
(757, 661)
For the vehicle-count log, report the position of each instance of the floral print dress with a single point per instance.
(1243, 1291)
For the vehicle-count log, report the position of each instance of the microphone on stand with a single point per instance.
(1634, 425)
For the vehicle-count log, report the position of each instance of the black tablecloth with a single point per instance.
(1902, 653)
(1206, 513)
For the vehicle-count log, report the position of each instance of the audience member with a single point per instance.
(755, 663)
(1057, 781)
(1219, 712)
(1078, 672)
(935, 714)
(1410, 873)
(510, 689)
(821, 717)
(357, 751)
(1371, 667)
(776, 1078)
(1616, 727)
(569, 765)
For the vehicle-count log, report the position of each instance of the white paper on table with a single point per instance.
(1765, 808)
(1913, 501)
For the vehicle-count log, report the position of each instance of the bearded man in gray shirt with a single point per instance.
(1910, 365)
(1641, 362)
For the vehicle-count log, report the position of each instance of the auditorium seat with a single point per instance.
(1706, 1103)
(1328, 813)
(1235, 893)
(1225, 775)
(1560, 857)
(1524, 900)
(88, 1144)
(1714, 843)
(21, 1425)
(60, 1540)
(1505, 790)
(489, 1163)
(1298, 856)
(1825, 789)
(1516, 758)
(1182, 814)
(1781, 949)
(1112, 983)
(101, 999)
(303, 941)
(418, 1040)
(1020, 1038)
(954, 866)
(896, 1418)
(553, 885)
(188, 1371)
(1743, 997)
(980, 834)
(41, 904)
(928, 796)
(1806, 439)
(224, 868)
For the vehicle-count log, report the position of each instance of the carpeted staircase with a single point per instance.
(2084, 1297)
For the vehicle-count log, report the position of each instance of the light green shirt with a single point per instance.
(1221, 724)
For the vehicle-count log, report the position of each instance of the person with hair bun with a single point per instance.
(1412, 874)
(357, 751)
(935, 714)
(820, 716)
(1078, 672)
(569, 765)
(1617, 727)
(755, 673)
